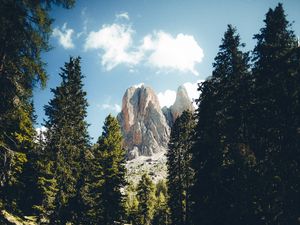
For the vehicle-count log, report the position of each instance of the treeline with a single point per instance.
(237, 159)
(234, 161)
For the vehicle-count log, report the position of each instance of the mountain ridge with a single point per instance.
(145, 125)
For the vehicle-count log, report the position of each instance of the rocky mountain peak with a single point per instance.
(182, 103)
(143, 124)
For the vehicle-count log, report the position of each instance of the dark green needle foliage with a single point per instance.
(109, 174)
(221, 152)
(131, 205)
(146, 198)
(275, 124)
(246, 152)
(25, 30)
(161, 213)
(180, 173)
(67, 144)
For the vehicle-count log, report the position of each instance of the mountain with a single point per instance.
(182, 103)
(145, 126)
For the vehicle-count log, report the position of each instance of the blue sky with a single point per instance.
(161, 43)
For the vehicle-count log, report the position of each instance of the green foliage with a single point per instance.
(221, 151)
(108, 174)
(161, 213)
(180, 173)
(146, 198)
(246, 147)
(21, 67)
(161, 209)
(67, 141)
(131, 205)
(276, 103)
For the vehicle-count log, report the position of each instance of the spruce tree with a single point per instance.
(180, 173)
(146, 199)
(221, 155)
(161, 213)
(109, 173)
(131, 205)
(67, 142)
(275, 124)
(21, 68)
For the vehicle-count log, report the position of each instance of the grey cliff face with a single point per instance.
(182, 103)
(145, 126)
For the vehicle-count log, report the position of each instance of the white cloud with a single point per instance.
(139, 85)
(123, 15)
(173, 53)
(160, 50)
(116, 41)
(64, 36)
(111, 107)
(166, 98)
(192, 91)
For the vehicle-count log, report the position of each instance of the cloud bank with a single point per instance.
(159, 49)
(181, 52)
(116, 41)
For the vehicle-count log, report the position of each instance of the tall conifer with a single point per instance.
(146, 198)
(180, 173)
(67, 142)
(275, 124)
(221, 154)
(28, 22)
(109, 171)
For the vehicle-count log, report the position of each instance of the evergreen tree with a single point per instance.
(275, 124)
(161, 214)
(222, 158)
(146, 199)
(67, 142)
(131, 205)
(109, 173)
(28, 22)
(180, 174)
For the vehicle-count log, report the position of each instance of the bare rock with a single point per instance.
(182, 103)
(143, 124)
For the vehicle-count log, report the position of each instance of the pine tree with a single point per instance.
(109, 173)
(20, 69)
(180, 174)
(275, 139)
(131, 205)
(222, 158)
(67, 142)
(161, 213)
(146, 199)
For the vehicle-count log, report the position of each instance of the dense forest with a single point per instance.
(234, 161)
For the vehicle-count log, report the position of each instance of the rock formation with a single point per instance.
(182, 103)
(145, 126)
